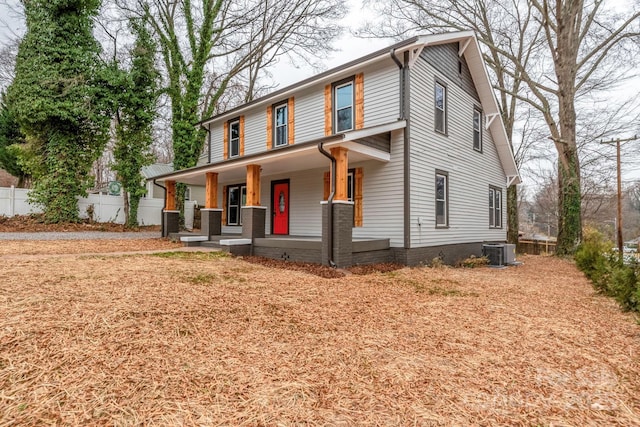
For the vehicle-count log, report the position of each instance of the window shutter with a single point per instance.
(269, 127)
(359, 101)
(290, 128)
(327, 186)
(357, 198)
(328, 129)
(224, 205)
(242, 135)
(226, 140)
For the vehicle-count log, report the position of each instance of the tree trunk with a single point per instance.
(512, 215)
(127, 208)
(569, 205)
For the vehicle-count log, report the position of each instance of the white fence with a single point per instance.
(14, 201)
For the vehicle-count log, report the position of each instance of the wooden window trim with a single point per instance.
(269, 127)
(290, 121)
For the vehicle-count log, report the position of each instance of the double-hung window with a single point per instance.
(236, 199)
(440, 115)
(477, 129)
(234, 138)
(495, 207)
(343, 95)
(280, 125)
(442, 199)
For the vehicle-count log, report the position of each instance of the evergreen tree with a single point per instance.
(134, 121)
(62, 101)
(11, 139)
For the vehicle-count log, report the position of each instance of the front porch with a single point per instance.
(289, 248)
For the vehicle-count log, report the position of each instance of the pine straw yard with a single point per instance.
(198, 338)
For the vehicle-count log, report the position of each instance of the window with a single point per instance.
(236, 199)
(343, 95)
(440, 108)
(442, 196)
(495, 207)
(234, 138)
(477, 130)
(281, 117)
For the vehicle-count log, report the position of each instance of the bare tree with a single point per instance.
(209, 45)
(572, 47)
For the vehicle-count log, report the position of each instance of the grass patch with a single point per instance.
(202, 279)
(192, 255)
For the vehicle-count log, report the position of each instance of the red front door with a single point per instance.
(280, 208)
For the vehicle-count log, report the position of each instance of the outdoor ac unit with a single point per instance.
(500, 253)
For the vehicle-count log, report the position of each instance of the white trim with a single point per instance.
(254, 207)
(337, 202)
(464, 47)
(234, 242)
(490, 118)
(511, 179)
(210, 210)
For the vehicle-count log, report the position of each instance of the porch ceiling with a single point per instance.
(292, 158)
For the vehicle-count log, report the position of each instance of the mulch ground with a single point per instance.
(35, 223)
(204, 339)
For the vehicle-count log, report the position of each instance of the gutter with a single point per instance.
(404, 115)
(330, 201)
(163, 206)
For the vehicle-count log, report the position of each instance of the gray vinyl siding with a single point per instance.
(309, 114)
(470, 172)
(382, 196)
(217, 143)
(381, 93)
(255, 131)
(305, 195)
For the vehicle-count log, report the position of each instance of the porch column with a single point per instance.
(342, 216)
(211, 216)
(170, 215)
(253, 215)
(342, 171)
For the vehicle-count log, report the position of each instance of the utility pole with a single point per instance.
(618, 141)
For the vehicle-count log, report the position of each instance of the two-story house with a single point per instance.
(400, 155)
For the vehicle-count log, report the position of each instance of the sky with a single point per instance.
(350, 47)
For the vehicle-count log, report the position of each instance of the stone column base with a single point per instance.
(342, 233)
(171, 222)
(253, 222)
(211, 222)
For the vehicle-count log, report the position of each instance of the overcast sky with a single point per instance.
(284, 74)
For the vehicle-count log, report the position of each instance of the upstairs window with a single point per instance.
(477, 130)
(343, 95)
(495, 207)
(440, 116)
(442, 199)
(280, 125)
(234, 138)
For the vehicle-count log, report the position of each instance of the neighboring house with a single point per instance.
(194, 193)
(420, 154)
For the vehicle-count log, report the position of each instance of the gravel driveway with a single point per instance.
(79, 235)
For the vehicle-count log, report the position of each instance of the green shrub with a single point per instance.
(625, 285)
(607, 271)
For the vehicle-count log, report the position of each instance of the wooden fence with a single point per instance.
(536, 247)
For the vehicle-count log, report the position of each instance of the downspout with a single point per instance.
(404, 115)
(330, 201)
(163, 206)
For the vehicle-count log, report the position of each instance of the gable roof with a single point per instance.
(469, 47)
